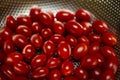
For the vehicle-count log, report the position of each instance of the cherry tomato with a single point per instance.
(71, 40)
(38, 61)
(64, 15)
(99, 26)
(96, 73)
(94, 38)
(24, 20)
(13, 58)
(28, 52)
(83, 15)
(39, 72)
(89, 62)
(24, 30)
(57, 38)
(58, 27)
(70, 78)
(74, 28)
(86, 27)
(67, 68)
(46, 33)
(55, 75)
(36, 27)
(64, 50)
(8, 46)
(109, 39)
(83, 39)
(80, 50)
(81, 73)
(49, 48)
(53, 63)
(11, 22)
(100, 59)
(36, 40)
(34, 12)
(21, 68)
(19, 40)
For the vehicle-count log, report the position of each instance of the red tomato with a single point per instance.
(67, 68)
(36, 27)
(83, 39)
(64, 15)
(96, 73)
(74, 28)
(80, 50)
(94, 38)
(70, 78)
(21, 78)
(46, 33)
(64, 50)
(100, 59)
(55, 75)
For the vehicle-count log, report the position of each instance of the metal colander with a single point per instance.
(107, 10)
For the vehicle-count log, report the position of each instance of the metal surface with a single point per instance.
(107, 10)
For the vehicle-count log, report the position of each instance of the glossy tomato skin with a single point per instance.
(74, 28)
(49, 48)
(83, 15)
(40, 72)
(64, 50)
(53, 63)
(58, 27)
(36, 40)
(100, 59)
(71, 40)
(70, 78)
(46, 33)
(19, 40)
(24, 20)
(8, 46)
(67, 68)
(55, 75)
(99, 26)
(83, 39)
(109, 39)
(11, 22)
(57, 38)
(64, 15)
(21, 68)
(96, 73)
(80, 50)
(24, 30)
(34, 12)
(38, 61)
(13, 58)
(81, 74)
(28, 52)
(94, 38)
(36, 27)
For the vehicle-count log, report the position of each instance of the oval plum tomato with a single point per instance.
(83, 15)
(46, 18)
(89, 62)
(86, 27)
(8, 46)
(80, 50)
(64, 50)
(81, 73)
(36, 27)
(46, 33)
(55, 75)
(74, 28)
(94, 38)
(28, 52)
(70, 78)
(57, 38)
(100, 59)
(71, 40)
(49, 48)
(99, 26)
(11, 22)
(96, 73)
(39, 72)
(67, 68)
(21, 68)
(53, 63)
(36, 40)
(64, 15)
(8, 71)
(83, 39)
(34, 12)
(13, 58)
(58, 27)
(38, 61)
(19, 40)
(109, 39)
(24, 30)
